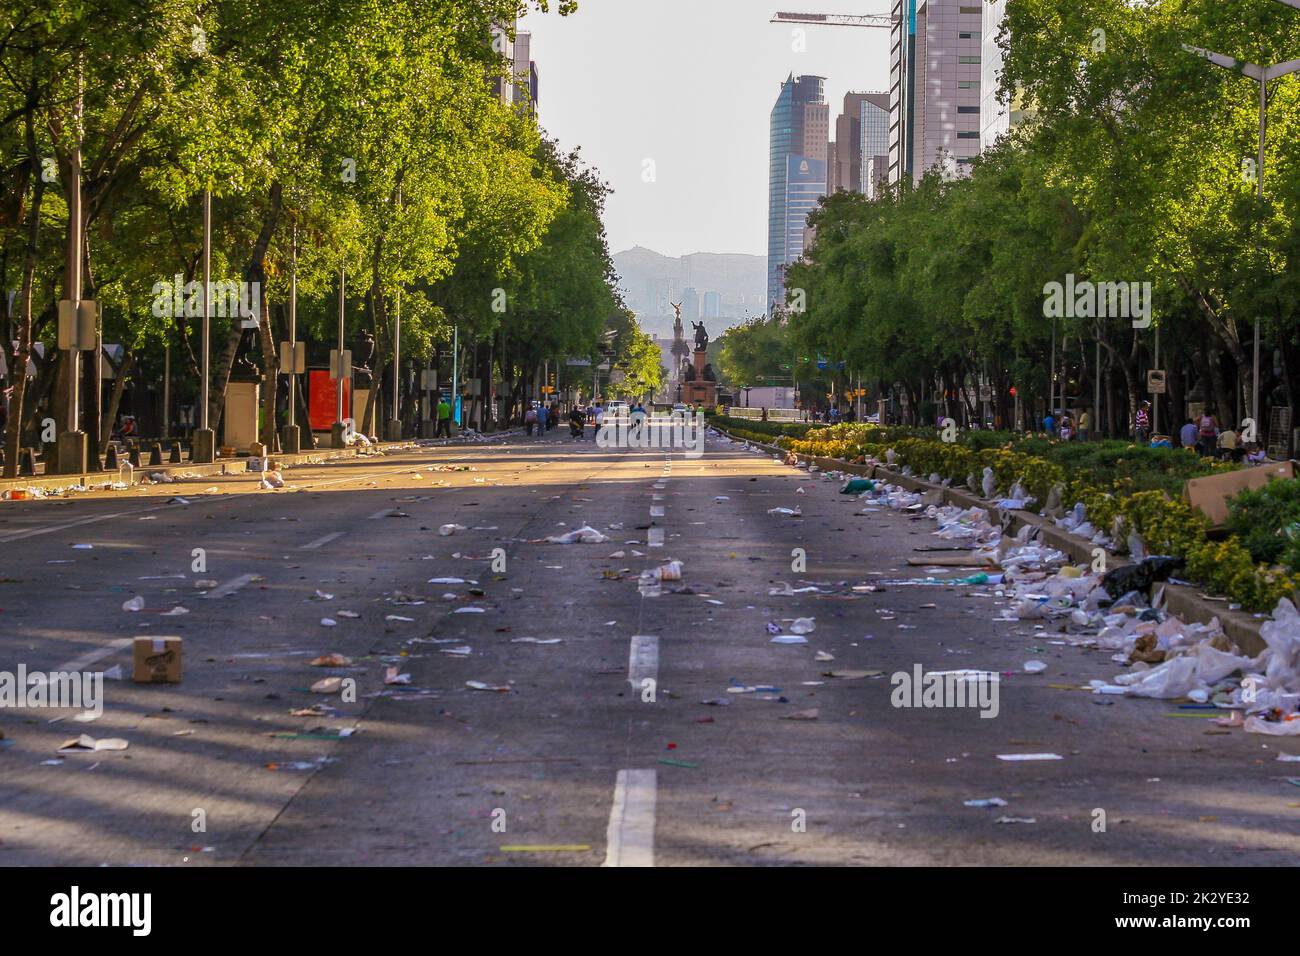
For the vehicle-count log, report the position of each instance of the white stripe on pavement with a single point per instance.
(90, 657)
(323, 540)
(231, 586)
(91, 519)
(630, 839)
(643, 659)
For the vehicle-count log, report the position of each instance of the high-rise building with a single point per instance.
(995, 118)
(521, 88)
(934, 93)
(691, 305)
(873, 124)
(844, 164)
(800, 135)
(712, 305)
(525, 72)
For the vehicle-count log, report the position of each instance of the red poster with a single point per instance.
(322, 399)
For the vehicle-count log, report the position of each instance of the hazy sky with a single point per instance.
(690, 85)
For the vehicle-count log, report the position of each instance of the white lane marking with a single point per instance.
(655, 539)
(643, 659)
(656, 511)
(92, 519)
(382, 514)
(322, 540)
(231, 586)
(90, 657)
(630, 839)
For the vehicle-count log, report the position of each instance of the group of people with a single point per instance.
(542, 417)
(833, 415)
(1066, 428)
(1202, 434)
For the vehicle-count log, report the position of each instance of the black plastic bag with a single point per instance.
(1140, 576)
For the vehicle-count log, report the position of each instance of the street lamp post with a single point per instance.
(203, 447)
(395, 423)
(342, 371)
(291, 436)
(1261, 75)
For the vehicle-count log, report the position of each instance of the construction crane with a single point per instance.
(835, 19)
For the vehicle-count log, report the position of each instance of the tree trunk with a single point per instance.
(18, 363)
(115, 400)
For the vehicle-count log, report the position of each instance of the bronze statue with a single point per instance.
(701, 336)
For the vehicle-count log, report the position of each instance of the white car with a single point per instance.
(616, 411)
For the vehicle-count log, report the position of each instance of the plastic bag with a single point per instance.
(584, 535)
(1171, 679)
(1140, 576)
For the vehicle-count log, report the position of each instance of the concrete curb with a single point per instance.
(1186, 601)
(224, 466)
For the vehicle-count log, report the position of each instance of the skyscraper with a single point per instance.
(934, 86)
(525, 72)
(844, 165)
(800, 132)
(995, 118)
(873, 123)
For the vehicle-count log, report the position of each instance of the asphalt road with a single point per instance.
(575, 759)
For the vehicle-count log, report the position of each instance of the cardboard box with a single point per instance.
(157, 660)
(1211, 494)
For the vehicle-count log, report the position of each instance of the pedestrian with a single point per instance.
(577, 422)
(1207, 428)
(1065, 430)
(541, 420)
(443, 426)
(1229, 445)
(1085, 425)
(1255, 454)
(530, 420)
(1142, 423)
(1187, 435)
(600, 415)
(1049, 424)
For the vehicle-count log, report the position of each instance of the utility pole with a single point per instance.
(75, 333)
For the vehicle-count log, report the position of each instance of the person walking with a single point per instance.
(530, 420)
(1085, 425)
(1142, 423)
(541, 420)
(444, 419)
(1049, 425)
(1208, 432)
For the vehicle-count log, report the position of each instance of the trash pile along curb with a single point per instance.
(1164, 656)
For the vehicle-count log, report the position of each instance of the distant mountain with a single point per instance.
(651, 281)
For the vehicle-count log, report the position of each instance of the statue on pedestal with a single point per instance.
(701, 337)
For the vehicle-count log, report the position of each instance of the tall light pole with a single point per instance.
(342, 368)
(291, 439)
(1261, 75)
(395, 424)
(75, 331)
(203, 449)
